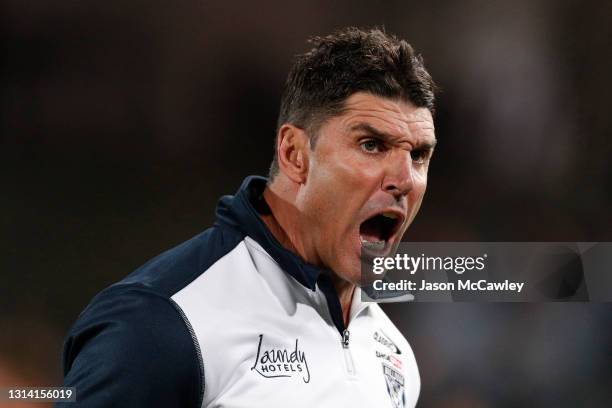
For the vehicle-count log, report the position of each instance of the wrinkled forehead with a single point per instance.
(394, 117)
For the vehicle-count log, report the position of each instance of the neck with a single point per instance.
(346, 291)
(284, 220)
(285, 223)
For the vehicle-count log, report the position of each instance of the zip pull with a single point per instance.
(345, 338)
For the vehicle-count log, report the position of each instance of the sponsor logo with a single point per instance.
(385, 341)
(280, 362)
(391, 359)
(395, 386)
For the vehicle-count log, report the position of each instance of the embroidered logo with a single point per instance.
(395, 386)
(386, 341)
(390, 358)
(280, 362)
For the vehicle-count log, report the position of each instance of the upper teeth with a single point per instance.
(389, 215)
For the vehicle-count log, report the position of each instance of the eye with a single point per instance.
(372, 146)
(420, 156)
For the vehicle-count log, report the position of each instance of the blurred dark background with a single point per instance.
(121, 123)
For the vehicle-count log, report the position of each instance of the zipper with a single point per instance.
(348, 358)
(346, 336)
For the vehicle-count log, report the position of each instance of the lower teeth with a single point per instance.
(373, 245)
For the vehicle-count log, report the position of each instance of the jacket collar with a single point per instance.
(241, 212)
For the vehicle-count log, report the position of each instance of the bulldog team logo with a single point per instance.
(395, 386)
(391, 365)
(279, 362)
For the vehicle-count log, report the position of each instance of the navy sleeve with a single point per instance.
(132, 348)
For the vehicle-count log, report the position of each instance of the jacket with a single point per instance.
(230, 318)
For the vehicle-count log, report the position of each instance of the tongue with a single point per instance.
(371, 230)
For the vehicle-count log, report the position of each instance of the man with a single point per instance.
(264, 309)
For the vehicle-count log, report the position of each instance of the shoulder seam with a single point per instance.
(196, 344)
(135, 289)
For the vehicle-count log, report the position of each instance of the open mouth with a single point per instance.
(376, 231)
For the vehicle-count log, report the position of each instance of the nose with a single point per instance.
(398, 179)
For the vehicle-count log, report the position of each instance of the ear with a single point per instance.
(293, 152)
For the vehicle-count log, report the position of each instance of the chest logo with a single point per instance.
(395, 386)
(279, 362)
(397, 363)
(386, 341)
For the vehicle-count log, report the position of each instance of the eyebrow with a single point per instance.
(387, 137)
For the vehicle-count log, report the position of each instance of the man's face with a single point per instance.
(366, 179)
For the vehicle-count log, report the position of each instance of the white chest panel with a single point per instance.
(267, 341)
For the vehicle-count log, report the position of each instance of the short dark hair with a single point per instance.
(347, 61)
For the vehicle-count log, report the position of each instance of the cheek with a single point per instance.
(351, 173)
(337, 191)
(415, 197)
(333, 200)
(344, 173)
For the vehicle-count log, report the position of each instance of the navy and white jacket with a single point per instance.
(231, 318)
